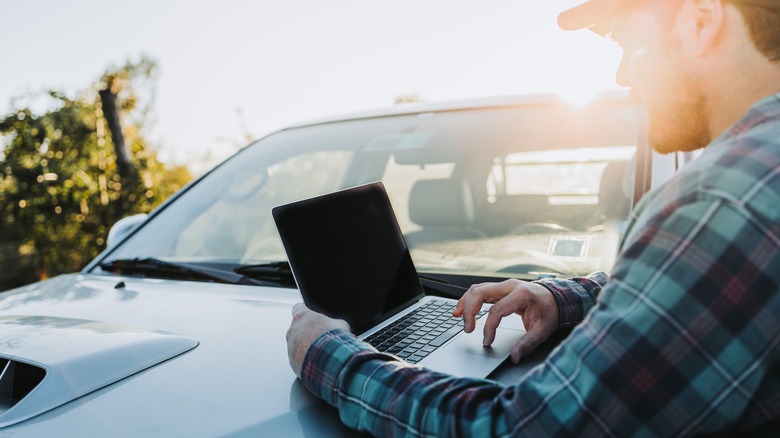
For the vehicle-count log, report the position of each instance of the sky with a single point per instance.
(233, 68)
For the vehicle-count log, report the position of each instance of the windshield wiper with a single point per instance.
(184, 271)
(276, 272)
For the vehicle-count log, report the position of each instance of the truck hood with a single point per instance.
(190, 358)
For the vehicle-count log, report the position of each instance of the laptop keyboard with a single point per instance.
(420, 332)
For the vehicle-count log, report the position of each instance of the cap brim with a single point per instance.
(591, 15)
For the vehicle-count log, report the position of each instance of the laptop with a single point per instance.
(350, 261)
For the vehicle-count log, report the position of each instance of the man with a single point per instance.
(682, 337)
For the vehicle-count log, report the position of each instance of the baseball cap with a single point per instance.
(596, 14)
(593, 15)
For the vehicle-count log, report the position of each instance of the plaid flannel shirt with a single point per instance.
(681, 339)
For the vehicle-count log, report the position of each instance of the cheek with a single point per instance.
(656, 76)
(644, 71)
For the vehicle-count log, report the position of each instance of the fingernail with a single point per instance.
(484, 341)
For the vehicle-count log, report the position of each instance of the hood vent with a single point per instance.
(17, 379)
(48, 361)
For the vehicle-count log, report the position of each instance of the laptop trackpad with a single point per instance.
(465, 356)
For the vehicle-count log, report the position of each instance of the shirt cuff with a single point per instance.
(323, 362)
(575, 297)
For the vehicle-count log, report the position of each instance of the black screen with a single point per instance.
(348, 255)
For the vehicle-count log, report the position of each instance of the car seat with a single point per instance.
(444, 208)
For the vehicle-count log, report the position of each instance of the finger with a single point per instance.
(469, 315)
(461, 305)
(296, 315)
(298, 308)
(458, 310)
(504, 307)
(527, 343)
(477, 296)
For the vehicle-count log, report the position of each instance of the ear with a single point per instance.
(702, 23)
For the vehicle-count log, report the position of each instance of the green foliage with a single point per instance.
(60, 191)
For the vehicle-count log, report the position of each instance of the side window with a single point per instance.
(563, 189)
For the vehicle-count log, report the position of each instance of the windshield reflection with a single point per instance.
(523, 191)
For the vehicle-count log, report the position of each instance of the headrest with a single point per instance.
(441, 202)
(614, 189)
(613, 181)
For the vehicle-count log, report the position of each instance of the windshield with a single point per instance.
(523, 191)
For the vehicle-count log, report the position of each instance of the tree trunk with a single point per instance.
(110, 112)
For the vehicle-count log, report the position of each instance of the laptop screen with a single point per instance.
(348, 255)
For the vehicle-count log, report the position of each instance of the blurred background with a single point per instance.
(109, 107)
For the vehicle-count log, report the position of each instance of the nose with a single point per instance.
(621, 76)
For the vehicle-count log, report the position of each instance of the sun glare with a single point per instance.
(579, 97)
(582, 66)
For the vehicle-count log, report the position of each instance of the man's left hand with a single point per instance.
(307, 325)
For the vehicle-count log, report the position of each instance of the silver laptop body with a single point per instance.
(350, 261)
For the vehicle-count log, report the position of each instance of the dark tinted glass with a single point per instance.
(348, 254)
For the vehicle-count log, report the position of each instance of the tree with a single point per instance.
(60, 188)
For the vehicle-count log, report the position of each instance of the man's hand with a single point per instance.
(307, 325)
(533, 302)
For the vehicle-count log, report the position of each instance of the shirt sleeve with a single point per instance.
(679, 343)
(575, 296)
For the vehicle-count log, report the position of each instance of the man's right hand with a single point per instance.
(533, 302)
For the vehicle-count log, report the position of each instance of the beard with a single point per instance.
(681, 126)
(678, 119)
